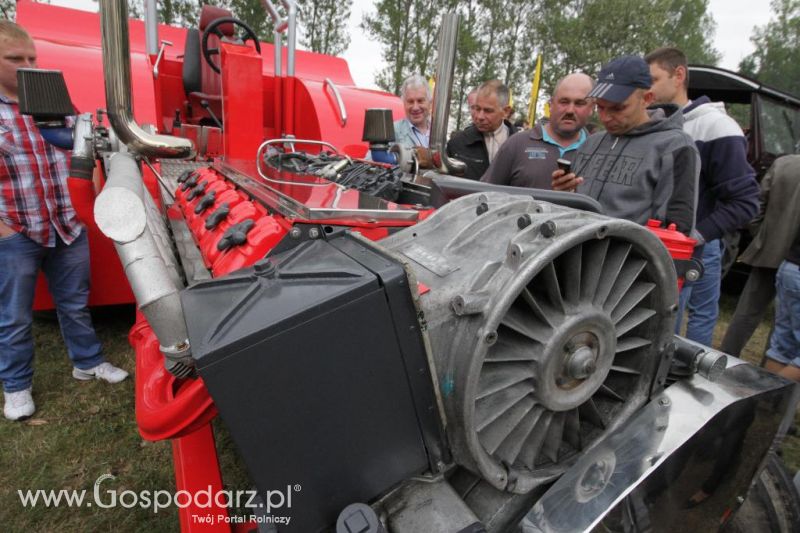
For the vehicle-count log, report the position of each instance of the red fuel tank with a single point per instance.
(679, 246)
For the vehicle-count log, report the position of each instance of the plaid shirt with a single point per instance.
(34, 199)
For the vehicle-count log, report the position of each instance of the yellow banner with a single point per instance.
(537, 79)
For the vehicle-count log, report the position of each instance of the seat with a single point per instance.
(200, 82)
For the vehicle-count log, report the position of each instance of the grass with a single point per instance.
(83, 430)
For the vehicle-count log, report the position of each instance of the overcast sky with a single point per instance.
(735, 21)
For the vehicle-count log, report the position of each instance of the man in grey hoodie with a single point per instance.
(643, 166)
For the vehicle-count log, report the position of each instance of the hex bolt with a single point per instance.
(548, 229)
(470, 303)
(482, 208)
(664, 402)
(296, 233)
(692, 275)
(313, 233)
(524, 221)
(265, 268)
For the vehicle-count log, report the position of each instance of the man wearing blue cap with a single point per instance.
(643, 166)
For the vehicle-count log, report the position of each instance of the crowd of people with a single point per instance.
(657, 155)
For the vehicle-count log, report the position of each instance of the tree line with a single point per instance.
(501, 38)
(322, 24)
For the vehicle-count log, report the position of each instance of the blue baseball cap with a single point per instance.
(620, 77)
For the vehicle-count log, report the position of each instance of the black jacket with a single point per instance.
(467, 145)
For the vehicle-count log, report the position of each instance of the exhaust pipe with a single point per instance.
(124, 213)
(151, 26)
(279, 25)
(445, 67)
(117, 73)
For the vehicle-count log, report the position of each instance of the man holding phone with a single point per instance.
(529, 157)
(644, 166)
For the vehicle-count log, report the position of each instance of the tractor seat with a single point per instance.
(200, 82)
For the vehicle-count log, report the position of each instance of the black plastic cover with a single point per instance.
(315, 360)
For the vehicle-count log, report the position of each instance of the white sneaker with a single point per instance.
(19, 405)
(105, 371)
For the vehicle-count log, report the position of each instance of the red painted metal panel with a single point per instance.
(242, 102)
(166, 407)
(194, 459)
(321, 118)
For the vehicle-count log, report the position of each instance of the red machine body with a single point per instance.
(232, 225)
(69, 40)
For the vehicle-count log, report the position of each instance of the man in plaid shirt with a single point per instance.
(38, 230)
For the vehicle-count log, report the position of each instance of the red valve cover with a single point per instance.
(214, 210)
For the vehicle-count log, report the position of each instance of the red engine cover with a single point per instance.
(231, 231)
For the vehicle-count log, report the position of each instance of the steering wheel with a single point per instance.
(214, 28)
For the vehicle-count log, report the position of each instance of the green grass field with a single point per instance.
(83, 430)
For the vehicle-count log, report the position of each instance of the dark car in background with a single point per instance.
(770, 119)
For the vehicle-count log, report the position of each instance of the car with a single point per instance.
(770, 119)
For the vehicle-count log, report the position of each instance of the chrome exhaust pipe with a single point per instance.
(151, 26)
(445, 67)
(117, 74)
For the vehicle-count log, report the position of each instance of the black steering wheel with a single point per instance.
(214, 28)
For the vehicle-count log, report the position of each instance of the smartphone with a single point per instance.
(565, 165)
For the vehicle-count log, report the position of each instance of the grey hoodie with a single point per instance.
(649, 172)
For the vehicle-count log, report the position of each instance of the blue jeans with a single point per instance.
(784, 344)
(702, 297)
(67, 272)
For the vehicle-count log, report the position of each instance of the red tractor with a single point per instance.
(392, 348)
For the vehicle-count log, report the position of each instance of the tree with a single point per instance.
(175, 12)
(501, 38)
(8, 9)
(407, 32)
(178, 12)
(466, 61)
(582, 35)
(324, 24)
(252, 13)
(390, 26)
(777, 48)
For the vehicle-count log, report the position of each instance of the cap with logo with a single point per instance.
(620, 77)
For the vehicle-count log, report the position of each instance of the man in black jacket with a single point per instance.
(477, 144)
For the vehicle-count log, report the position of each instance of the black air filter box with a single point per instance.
(43, 94)
(316, 362)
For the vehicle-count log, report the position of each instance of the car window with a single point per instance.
(781, 127)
